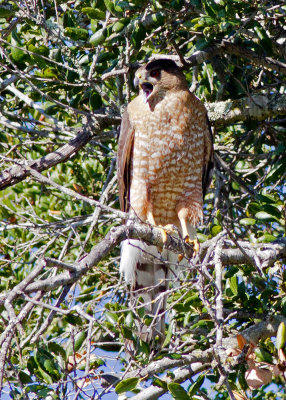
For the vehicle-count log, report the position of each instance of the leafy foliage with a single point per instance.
(66, 71)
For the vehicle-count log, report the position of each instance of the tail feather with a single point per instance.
(151, 284)
(149, 272)
(143, 269)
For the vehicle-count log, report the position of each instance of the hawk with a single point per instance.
(164, 167)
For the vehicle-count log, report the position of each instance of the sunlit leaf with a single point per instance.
(281, 336)
(126, 385)
(178, 392)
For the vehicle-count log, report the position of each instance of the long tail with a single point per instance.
(146, 271)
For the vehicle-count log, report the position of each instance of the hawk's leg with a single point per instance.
(163, 229)
(189, 235)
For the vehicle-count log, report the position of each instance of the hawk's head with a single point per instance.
(157, 77)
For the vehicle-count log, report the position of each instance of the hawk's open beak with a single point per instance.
(136, 81)
(147, 89)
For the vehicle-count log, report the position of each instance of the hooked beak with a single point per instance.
(147, 87)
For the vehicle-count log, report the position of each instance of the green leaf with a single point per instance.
(94, 13)
(266, 198)
(265, 41)
(209, 8)
(202, 238)
(115, 10)
(272, 210)
(74, 346)
(215, 230)
(25, 378)
(254, 207)
(73, 319)
(193, 389)
(50, 73)
(17, 54)
(110, 317)
(95, 100)
(169, 335)
(263, 356)
(47, 378)
(57, 349)
(127, 385)
(138, 36)
(79, 339)
(42, 51)
(95, 363)
(247, 221)
(6, 11)
(178, 392)
(160, 383)
(76, 33)
(46, 364)
(266, 238)
(127, 333)
(281, 336)
(98, 37)
(129, 319)
(233, 284)
(264, 216)
(119, 25)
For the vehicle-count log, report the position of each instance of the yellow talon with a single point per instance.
(164, 235)
(195, 243)
(164, 230)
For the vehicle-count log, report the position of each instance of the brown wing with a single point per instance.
(208, 158)
(124, 159)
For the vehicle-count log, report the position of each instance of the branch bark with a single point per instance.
(19, 172)
(258, 107)
(267, 254)
(190, 364)
(256, 59)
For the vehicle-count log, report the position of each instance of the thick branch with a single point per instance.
(257, 107)
(191, 364)
(260, 331)
(19, 172)
(180, 375)
(219, 49)
(267, 254)
(256, 59)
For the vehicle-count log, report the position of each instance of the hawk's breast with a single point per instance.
(167, 155)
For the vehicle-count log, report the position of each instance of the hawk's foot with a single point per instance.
(194, 243)
(165, 230)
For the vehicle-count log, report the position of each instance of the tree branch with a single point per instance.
(256, 59)
(258, 107)
(190, 364)
(19, 172)
(267, 254)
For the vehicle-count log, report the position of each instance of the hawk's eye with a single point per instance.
(155, 73)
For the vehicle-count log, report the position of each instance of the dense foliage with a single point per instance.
(66, 75)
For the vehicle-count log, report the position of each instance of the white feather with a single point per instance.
(134, 251)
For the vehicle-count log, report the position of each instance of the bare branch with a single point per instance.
(267, 253)
(258, 107)
(19, 172)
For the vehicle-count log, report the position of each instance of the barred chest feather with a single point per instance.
(168, 160)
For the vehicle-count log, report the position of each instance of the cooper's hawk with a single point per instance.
(164, 166)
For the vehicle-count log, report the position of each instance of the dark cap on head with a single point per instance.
(162, 63)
